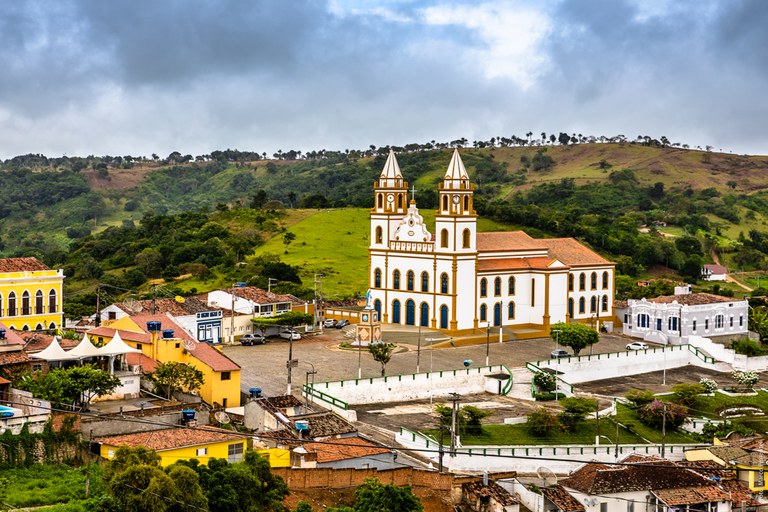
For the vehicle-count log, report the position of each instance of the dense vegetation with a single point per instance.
(129, 222)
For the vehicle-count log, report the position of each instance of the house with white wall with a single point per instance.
(669, 318)
(714, 273)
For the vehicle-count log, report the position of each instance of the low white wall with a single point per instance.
(727, 355)
(531, 500)
(526, 459)
(417, 386)
(129, 388)
(589, 368)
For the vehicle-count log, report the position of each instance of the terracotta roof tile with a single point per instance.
(691, 495)
(21, 265)
(572, 252)
(213, 358)
(343, 449)
(693, 299)
(507, 241)
(11, 337)
(259, 295)
(492, 490)
(38, 341)
(716, 269)
(167, 439)
(190, 306)
(148, 365)
(738, 493)
(326, 424)
(727, 453)
(16, 357)
(490, 265)
(562, 499)
(644, 474)
(282, 401)
(108, 332)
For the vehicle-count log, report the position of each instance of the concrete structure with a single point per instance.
(747, 457)
(25, 409)
(30, 295)
(175, 444)
(221, 385)
(668, 318)
(353, 452)
(714, 273)
(195, 316)
(461, 280)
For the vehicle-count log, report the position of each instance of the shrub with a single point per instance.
(688, 394)
(541, 422)
(653, 414)
(745, 378)
(639, 397)
(709, 385)
(574, 410)
(749, 348)
(545, 381)
(548, 397)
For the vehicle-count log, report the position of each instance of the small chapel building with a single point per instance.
(458, 280)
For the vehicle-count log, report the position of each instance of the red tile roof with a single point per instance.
(108, 332)
(572, 252)
(168, 439)
(739, 492)
(493, 265)
(259, 295)
(21, 265)
(343, 449)
(213, 358)
(38, 341)
(644, 474)
(693, 299)
(716, 269)
(148, 365)
(691, 495)
(190, 306)
(16, 357)
(492, 490)
(507, 241)
(562, 499)
(11, 337)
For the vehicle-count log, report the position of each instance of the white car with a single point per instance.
(290, 334)
(637, 345)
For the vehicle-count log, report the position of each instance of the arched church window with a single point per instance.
(582, 282)
(444, 283)
(570, 282)
(483, 313)
(511, 310)
(605, 280)
(466, 203)
(444, 238)
(52, 306)
(497, 286)
(377, 278)
(483, 287)
(465, 239)
(582, 305)
(593, 304)
(605, 303)
(399, 201)
(511, 286)
(409, 280)
(396, 279)
(425, 281)
(593, 281)
(380, 200)
(445, 203)
(379, 234)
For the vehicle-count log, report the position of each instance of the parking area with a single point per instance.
(264, 366)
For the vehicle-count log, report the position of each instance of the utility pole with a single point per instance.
(440, 450)
(318, 278)
(616, 413)
(597, 425)
(418, 349)
(290, 363)
(487, 343)
(455, 399)
(98, 307)
(154, 299)
(269, 284)
(663, 431)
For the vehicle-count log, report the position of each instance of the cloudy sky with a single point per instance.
(83, 77)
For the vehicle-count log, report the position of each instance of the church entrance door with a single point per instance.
(410, 312)
(497, 315)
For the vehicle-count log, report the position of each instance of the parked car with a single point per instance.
(341, 323)
(557, 354)
(252, 339)
(637, 345)
(290, 334)
(329, 323)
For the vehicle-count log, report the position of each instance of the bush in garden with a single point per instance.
(688, 394)
(653, 414)
(541, 422)
(709, 385)
(546, 382)
(574, 411)
(639, 397)
(745, 378)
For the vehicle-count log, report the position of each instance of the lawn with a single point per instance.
(44, 484)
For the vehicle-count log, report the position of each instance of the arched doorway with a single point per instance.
(497, 315)
(395, 311)
(443, 316)
(410, 312)
(424, 316)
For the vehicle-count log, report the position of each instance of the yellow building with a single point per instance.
(749, 462)
(30, 295)
(170, 342)
(175, 444)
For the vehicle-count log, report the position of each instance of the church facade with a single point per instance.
(457, 280)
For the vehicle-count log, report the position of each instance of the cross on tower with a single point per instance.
(413, 192)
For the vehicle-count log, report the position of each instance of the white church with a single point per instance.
(458, 280)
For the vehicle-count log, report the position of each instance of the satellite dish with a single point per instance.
(189, 345)
(547, 475)
(221, 417)
(133, 305)
(179, 299)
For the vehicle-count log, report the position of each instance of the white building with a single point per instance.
(458, 279)
(670, 317)
(714, 273)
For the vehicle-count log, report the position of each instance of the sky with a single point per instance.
(132, 77)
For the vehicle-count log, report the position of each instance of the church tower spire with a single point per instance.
(456, 192)
(390, 202)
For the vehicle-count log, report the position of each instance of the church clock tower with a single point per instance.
(390, 203)
(456, 241)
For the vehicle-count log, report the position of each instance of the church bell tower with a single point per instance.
(390, 203)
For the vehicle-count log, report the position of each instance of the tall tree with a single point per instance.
(382, 352)
(175, 376)
(76, 385)
(576, 336)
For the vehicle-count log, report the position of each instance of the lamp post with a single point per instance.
(306, 380)
(418, 350)
(487, 343)
(557, 341)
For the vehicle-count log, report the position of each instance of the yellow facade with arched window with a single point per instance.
(30, 294)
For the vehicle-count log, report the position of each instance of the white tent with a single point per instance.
(53, 352)
(84, 349)
(117, 346)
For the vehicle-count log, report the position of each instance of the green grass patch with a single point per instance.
(43, 484)
(628, 417)
(710, 406)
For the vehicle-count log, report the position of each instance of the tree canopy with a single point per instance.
(75, 385)
(175, 376)
(574, 335)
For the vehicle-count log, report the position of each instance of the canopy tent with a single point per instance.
(54, 352)
(117, 346)
(84, 349)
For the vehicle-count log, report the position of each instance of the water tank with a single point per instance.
(241, 284)
(153, 326)
(255, 392)
(302, 425)
(168, 334)
(467, 363)
(2, 334)
(188, 414)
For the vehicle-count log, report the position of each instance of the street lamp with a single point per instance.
(306, 380)
(418, 350)
(557, 339)
(487, 343)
